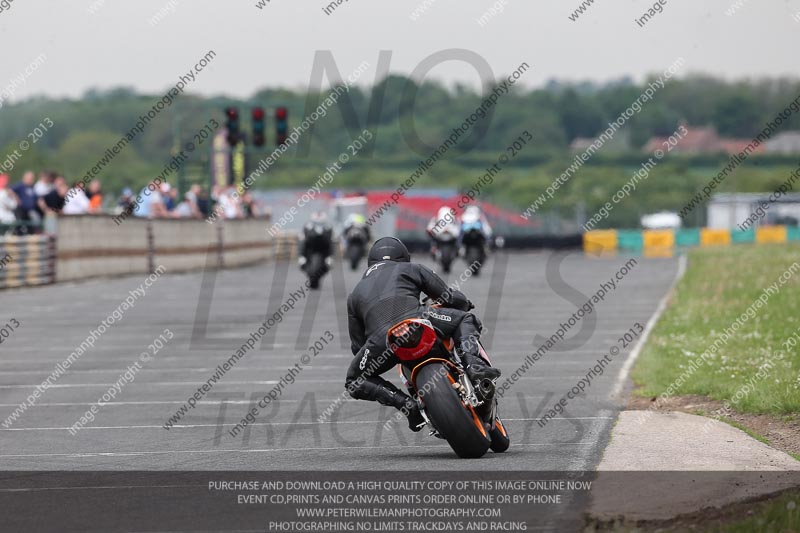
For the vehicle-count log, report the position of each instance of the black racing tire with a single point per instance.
(475, 260)
(451, 418)
(315, 269)
(354, 254)
(447, 257)
(499, 435)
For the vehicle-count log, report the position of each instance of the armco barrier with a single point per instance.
(663, 243)
(95, 246)
(27, 260)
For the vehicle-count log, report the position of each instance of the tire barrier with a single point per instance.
(286, 243)
(27, 260)
(664, 243)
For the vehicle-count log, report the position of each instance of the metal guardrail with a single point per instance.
(27, 260)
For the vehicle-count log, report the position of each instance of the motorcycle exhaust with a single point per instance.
(486, 388)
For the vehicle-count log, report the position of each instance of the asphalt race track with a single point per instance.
(128, 433)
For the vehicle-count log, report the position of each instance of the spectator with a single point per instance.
(229, 204)
(45, 184)
(170, 196)
(95, 196)
(76, 202)
(27, 210)
(152, 204)
(53, 202)
(248, 205)
(125, 202)
(193, 198)
(8, 202)
(203, 203)
(187, 208)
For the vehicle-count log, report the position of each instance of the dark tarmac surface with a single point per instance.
(514, 296)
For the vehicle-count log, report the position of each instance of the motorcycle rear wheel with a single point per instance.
(354, 254)
(499, 436)
(475, 261)
(315, 269)
(457, 423)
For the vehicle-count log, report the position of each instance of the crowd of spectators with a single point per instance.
(24, 205)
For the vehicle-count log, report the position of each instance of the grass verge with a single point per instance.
(756, 369)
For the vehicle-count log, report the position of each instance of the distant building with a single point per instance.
(580, 144)
(618, 143)
(750, 210)
(786, 142)
(701, 140)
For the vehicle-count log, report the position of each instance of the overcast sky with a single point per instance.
(275, 46)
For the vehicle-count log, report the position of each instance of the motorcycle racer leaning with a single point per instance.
(388, 293)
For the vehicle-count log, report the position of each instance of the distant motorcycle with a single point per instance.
(474, 243)
(356, 248)
(459, 411)
(315, 253)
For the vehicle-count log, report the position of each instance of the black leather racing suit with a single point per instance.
(317, 238)
(388, 293)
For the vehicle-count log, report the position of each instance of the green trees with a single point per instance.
(555, 115)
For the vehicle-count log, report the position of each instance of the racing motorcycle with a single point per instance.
(315, 254)
(474, 242)
(457, 410)
(356, 248)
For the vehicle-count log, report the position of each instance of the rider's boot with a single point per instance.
(392, 396)
(476, 366)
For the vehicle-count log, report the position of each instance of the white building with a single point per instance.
(733, 210)
(786, 142)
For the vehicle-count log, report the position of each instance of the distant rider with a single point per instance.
(317, 238)
(356, 222)
(473, 218)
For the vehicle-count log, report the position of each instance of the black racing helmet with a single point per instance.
(388, 249)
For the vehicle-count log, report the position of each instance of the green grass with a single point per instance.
(747, 430)
(778, 515)
(719, 285)
(782, 514)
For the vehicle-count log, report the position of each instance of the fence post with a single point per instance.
(220, 247)
(151, 248)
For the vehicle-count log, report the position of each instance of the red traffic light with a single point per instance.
(258, 113)
(232, 112)
(281, 113)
